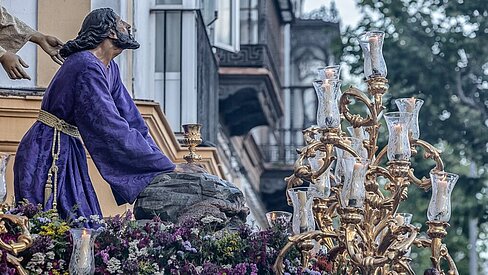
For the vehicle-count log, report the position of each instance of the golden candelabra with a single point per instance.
(355, 212)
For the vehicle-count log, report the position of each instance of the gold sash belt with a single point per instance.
(59, 126)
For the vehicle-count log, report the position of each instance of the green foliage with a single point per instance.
(437, 50)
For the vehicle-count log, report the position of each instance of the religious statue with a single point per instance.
(87, 100)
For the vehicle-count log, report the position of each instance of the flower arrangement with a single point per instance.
(126, 246)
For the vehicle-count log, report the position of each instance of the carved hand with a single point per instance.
(13, 65)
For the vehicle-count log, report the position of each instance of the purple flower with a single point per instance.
(188, 247)
(105, 256)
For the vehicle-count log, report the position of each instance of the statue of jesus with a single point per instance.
(86, 100)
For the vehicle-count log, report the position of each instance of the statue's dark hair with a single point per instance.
(95, 28)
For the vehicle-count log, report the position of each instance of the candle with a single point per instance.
(328, 103)
(302, 199)
(397, 129)
(329, 73)
(374, 51)
(441, 198)
(273, 217)
(84, 250)
(326, 85)
(356, 182)
(410, 104)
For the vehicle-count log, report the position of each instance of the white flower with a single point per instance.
(227, 266)
(178, 238)
(195, 231)
(50, 255)
(199, 268)
(166, 227)
(173, 257)
(133, 250)
(113, 266)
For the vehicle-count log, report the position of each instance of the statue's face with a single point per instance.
(125, 39)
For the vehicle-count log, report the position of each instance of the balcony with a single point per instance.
(249, 90)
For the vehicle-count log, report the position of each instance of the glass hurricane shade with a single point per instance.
(398, 142)
(356, 145)
(82, 258)
(411, 105)
(440, 203)
(329, 72)
(371, 43)
(328, 94)
(353, 191)
(4, 158)
(322, 182)
(302, 200)
(278, 217)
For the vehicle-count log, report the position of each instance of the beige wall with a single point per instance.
(17, 114)
(60, 18)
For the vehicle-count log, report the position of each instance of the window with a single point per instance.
(167, 72)
(227, 25)
(249, 21)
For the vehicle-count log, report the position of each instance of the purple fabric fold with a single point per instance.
(92, 97)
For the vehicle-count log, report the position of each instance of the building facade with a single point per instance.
(229, 65)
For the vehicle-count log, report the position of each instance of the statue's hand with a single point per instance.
(14, 66)
(50, 44)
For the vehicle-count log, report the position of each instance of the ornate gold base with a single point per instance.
(398, 168)
(350, 215)
(377, 85)
(437, 229)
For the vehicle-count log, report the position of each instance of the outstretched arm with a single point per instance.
(50, 44)
(14, 33)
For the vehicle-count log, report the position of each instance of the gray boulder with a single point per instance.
(176, 197)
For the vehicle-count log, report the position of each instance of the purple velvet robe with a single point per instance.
(86, 94)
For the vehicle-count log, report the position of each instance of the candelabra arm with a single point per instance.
(298, 239)
(407, 268)
(15, 261)
(430, 152)
(344, 146)
(423, 183)
(427, 243)
(309, 134)
(355, 119)
(380, 156)
(452, 265)
(412, 235)
(350, 235)
(24, 240)
(328, 159)
(380, 171)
